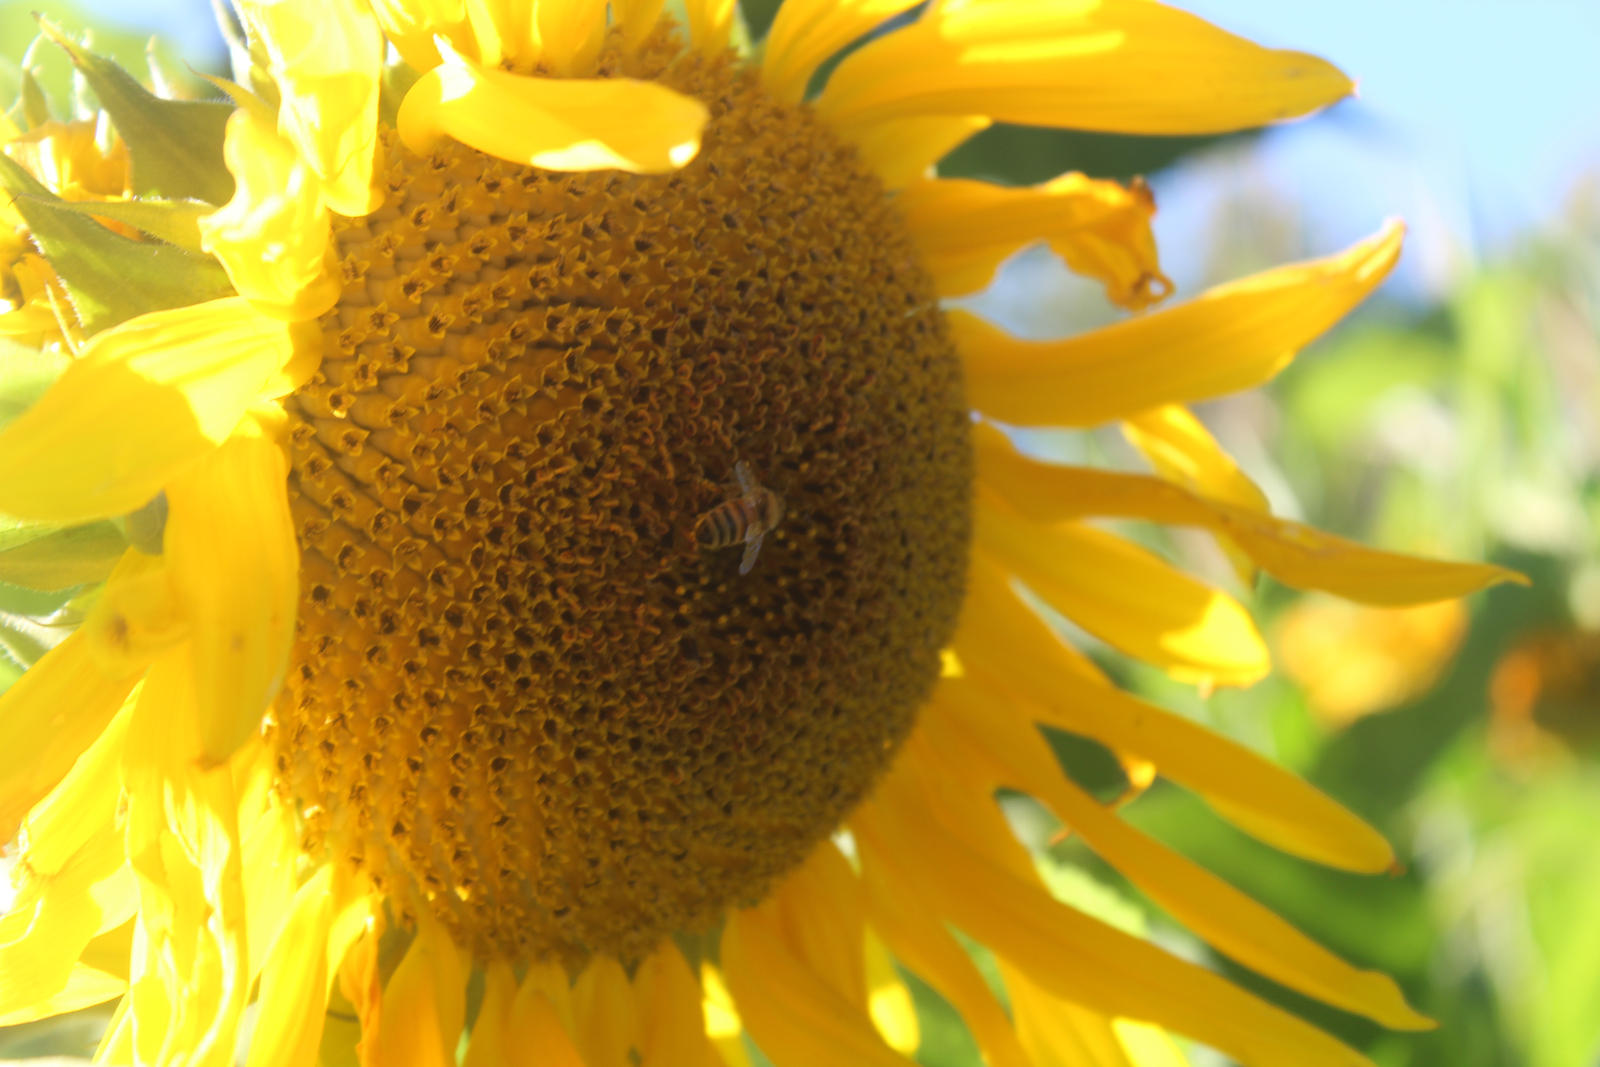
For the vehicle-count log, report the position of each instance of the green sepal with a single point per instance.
(110, 278)
(177, 222)
(175, 146)
(35, 106)
(64, 558)
(25, 373)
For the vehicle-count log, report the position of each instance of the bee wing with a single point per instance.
(752, 548)
(746, 480)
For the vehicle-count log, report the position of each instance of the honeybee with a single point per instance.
(745, 519)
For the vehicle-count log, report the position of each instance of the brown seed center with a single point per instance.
(531, 694)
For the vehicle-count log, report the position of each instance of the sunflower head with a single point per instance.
(550, 501)
(536, 392)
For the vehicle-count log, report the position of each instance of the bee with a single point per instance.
(745, 519)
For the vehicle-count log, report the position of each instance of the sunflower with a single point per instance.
(579, 595)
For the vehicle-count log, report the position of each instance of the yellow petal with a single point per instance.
(1183, 451)
(85, 987)
(960, 858)
(424, 1003)
(189, 976)
(796, 1018)
(819, 910)
(83, 804)
(274, 237)
(919, 938)
(1057, 1032)
(1231, 338)
(1128, 597)
(235, 566)
(571, 35)
(489, 1044)
(1292, 552)
(554, 123)
(637, 18)
(1016, 652)
(536, 1026)
(723, 1025)
(889, 1001)
(1100, 229)
(137, 616)
(326, 58)
(53, 919)
(672, 1029)
(144, 399)
(270, 838)
(603, 1013)
(902, 150)
(710, 24)
(1124, 66)
(805, 33)
(972, 731)
(294, 982)
(54, 712)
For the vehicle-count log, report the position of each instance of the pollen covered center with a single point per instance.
(634, 513)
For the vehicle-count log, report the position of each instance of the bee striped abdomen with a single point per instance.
(724, 525)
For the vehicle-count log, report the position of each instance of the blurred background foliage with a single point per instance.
(1462, 422)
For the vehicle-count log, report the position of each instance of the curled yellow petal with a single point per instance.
(326, 58)
(54, 918)
(805, 33)
(274, 238)
(1129, 598)
(143, 400)
(54, 712)
(1295, 554)
(189, 971)
(1183, 451)
(969, 729)
(234, 562)
(1231, 338)
(555, 123)
(1124, 66)
(1016, 652)
(961, 859)
(1100, 229)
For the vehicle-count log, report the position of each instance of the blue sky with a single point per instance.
(1473, 122)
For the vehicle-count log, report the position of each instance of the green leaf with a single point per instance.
(177, 222)
(175, 145)
(62, 559)
(110, 278)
